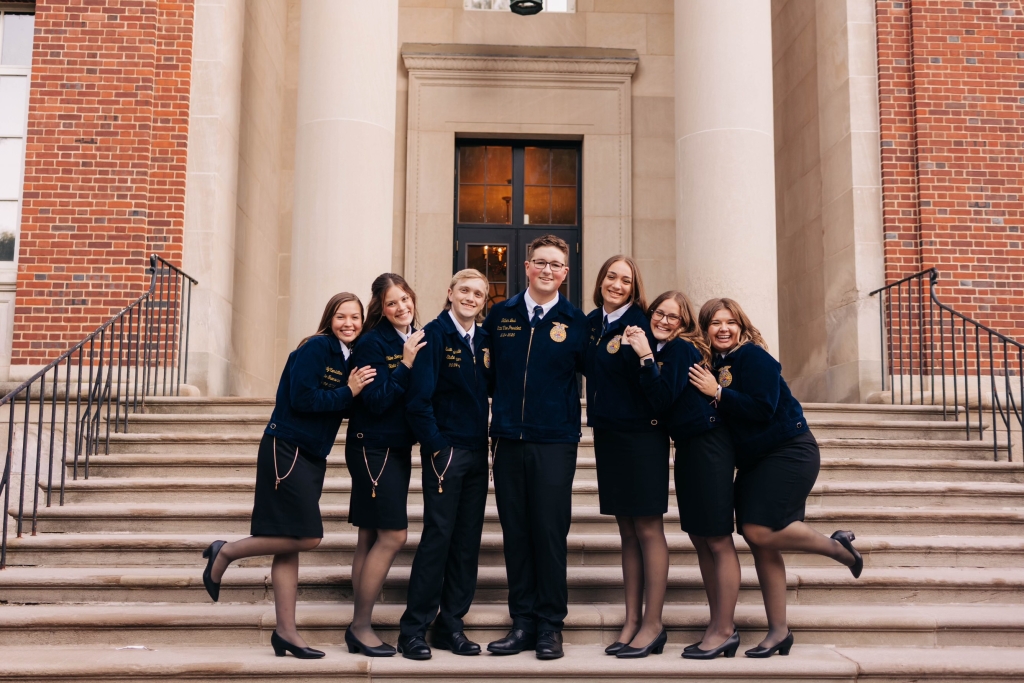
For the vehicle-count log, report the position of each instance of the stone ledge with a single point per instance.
(519, 59)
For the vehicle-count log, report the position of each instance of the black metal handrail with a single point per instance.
(912, 346)
(145, 345)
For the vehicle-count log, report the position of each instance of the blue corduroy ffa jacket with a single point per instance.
(685, 410)
(536, 394)
(615, 398)
(446, 402)
(313, 396)
(760, 411)
(378, 414)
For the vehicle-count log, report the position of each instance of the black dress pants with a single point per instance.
(533, 488)
(445, 566)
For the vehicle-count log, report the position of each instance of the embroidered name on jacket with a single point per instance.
(332, 378)
(453, 356)
(393, 361)
(508, 328)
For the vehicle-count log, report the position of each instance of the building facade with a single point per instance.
(792, 154)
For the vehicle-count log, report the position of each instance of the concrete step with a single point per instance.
(832, 468)
(585, 492)
(831, 585)
(594, 549)
(581, 663)
(250, 625)
(203, 405)
(220, 444)
(246, 423)
(235, 518)
(873, 411)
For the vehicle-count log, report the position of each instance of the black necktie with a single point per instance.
(469, 341)
(538, 313)
(604, 325)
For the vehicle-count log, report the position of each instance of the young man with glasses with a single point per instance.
(537, 344)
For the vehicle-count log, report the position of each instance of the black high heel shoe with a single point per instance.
(728, 648)
(355, 645)
(281, 646)
(655, 647)
(696, 646)
(846, 539)
(614, 648)
(212, 587)
(782, 648)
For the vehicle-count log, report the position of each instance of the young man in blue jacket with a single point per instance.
(446, 406)
(537, 344)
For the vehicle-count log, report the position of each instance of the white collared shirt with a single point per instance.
(661, 345)
(462, 331)
(404, 335)
(616, 314)
(345, 350)
(531, 304)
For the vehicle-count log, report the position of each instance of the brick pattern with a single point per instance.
(104, 163)
(951, 86)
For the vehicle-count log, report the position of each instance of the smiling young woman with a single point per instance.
(378, 451)
(777, 458)
(704, 464)
(315, 393)
(631, 447)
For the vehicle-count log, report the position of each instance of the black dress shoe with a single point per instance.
(281, 646)
(515, 642)
(614, 648)
(413, 647)
(655, 647)
(728, 648)
(355, 645)
(696, 646)
(846, 539)
(212, 587)
(457, 642)
(549, 645)
(764, 652)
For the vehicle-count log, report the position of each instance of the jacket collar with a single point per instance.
(389, 333)
(444, 319)
(562, 307)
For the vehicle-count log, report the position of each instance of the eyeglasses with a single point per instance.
(660, 315)
(555, 266)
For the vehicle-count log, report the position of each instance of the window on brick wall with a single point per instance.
(16, 34)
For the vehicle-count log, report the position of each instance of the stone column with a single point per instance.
(211, 199)
(344, 154)
(725, 157)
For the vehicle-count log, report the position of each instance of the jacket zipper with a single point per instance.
(526, 371)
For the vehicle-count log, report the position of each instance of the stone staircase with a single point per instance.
(940, 525)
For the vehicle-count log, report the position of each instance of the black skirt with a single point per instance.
(632, 472)
(704, 470)
(771, 490)
(292, 508)
(391, 468)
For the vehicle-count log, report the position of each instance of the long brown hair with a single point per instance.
(636, 295)
(748, 333)
(688, 328)
(330, 310)
(378, 290)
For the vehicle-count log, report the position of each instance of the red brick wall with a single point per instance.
(951, 85)
(104, 163)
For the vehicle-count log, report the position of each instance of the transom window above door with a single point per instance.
(506, 195)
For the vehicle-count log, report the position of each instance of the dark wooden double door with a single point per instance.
(507, 193)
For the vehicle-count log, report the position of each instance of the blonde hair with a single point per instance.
(688, 328)
(467, 274)
(748, 333)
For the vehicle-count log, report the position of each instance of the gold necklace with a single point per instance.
(373, 494)
(277, 476)
(440, 477)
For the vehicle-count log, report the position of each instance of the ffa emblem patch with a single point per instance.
(558, 332)
(614, 343)
(724, 376)
(487, 358)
